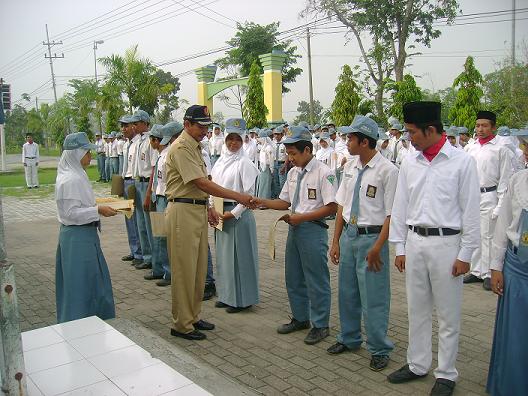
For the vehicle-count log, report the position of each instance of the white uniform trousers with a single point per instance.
(31, 171)
(481, 259)
(429, 283)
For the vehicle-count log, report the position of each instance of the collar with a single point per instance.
(493, 140)
(136, 138)
(371, 164)
(188, 139)
(309, 166)
(447, 149)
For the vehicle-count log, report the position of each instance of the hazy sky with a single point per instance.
(184, 32)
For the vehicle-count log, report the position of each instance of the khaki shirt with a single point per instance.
(184, 164)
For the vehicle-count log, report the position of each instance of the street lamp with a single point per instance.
(95, 56)
(95, 67)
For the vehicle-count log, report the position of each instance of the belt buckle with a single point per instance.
(425, 231)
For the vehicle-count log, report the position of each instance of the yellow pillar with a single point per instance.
(205, 75)
(272, 64)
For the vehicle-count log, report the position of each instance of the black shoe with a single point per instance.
(236, 309)
(220, 304)
(338, 348)
(487, 284)
(163, 282)
(470, 278)
(127, 258)
(29, 188)
(443, 387)
(209, 291)
(317, 334)
(194, 335)
(143, 266)
(136, 262)
(402, 375)
(203, 325)
(294, 325)
(378, 362)
(36, 186)
(151, 276)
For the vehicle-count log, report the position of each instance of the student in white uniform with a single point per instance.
(495, 168)
(216, 142)
(114, 156)
(108, 166)
(360, 245)
(100, 150)
(435, 229)
(310, 192)
(30, 159)
(383, 144)
(120, 142)
(326, 153)
(279, 153)
(266, 164)
(395, 144)
(507, 138)
(82, 281)
(250, 148)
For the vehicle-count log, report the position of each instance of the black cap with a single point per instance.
(486, 115)
(199, 114)
(422, 112)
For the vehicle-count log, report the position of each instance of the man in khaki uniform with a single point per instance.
(187, 214)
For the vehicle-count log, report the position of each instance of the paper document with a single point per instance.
(125, 206)
(218, 204)
(271, 237)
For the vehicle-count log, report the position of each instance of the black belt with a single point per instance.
(127, 178)
(229, 203)
(92, 224)
(144, 179)
(424, 231)
(281, 162)
(369, 230)
(189, 201)
(488, 189)
(320, 224)
(31, 157)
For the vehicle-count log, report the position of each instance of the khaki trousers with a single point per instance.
(187, 247)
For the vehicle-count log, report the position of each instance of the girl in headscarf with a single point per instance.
(266, 161)
(326, 153)
(82, 281)
(236, 244)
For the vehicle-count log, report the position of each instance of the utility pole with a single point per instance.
(310, 84)
(50, 57)
(96, 82)
(2, 134)
(513, 50)
(36, 104)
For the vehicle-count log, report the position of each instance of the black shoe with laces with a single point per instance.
(317, 334)
(294, 325)
(128, 257)
(378, 362)
(404, 374)
(443, 387)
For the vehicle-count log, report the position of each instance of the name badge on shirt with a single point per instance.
(348, 175)
(142, 156)
(312, 193)
(371, 191)
(160, 175)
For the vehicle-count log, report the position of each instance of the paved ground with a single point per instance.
(14, 161)
(245, 346)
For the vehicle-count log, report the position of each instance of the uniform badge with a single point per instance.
(312, 193)
(524, 238)
(371, 191)
(289, 133)
(236, 123)
(142, 156)
(353, 220)
(331, 179)
(160, 175)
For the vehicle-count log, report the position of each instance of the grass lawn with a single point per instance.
(14, 183)
(51, 152)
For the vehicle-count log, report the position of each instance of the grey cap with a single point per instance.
(317, 126)
(304, 124)
(142, 115)
(344, 130)
(235, 125)
(463, 131)
(155, 131)
(263, 133)
(78, 140)
(452, 131)
(169, 130)
(112, 135)
(365, 125)
(296, 134)
(397, 126)
(128, 119)
(503, 131)
(324, 136)
(279, 129)
(383, 135)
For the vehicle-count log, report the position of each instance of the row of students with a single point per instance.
(109, 149)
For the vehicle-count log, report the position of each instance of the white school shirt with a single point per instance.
(100, 146)
(266, 157)
(495, 168)
(107, 149)
(279, 151)
(161, 173)
(113, 149)
(395, 145)
(507, 226)
(441, 193)
(376, 193)
(146, 159)
(120, 144)
(215, 144)
(318, 187)
(132, 154)
(30, 150)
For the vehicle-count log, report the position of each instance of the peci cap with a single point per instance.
(199, 114)
(142, 115)
(365, 125)
(422, 112)
(78, 140)
(169, 130)
(486, 115)
(235, 125)
(297, 133)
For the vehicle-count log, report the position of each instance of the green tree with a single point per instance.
(35, 125)
(168, 99)
(346, 101)
(252, 40)
(60, 120)
(254, 110)
(392, 26)
(468, 96)
(510, 104)
(403, 92)
(16, 122)
(304, 112)
(83, 102)
(111, 102)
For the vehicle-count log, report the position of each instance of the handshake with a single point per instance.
(249, 201)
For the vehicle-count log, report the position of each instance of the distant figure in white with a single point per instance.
(30, 159)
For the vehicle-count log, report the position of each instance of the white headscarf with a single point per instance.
(235, 163)
(323, 154)
(72, 181)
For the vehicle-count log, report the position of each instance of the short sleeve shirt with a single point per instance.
(318, 187)
(184, 164)
(376, 192)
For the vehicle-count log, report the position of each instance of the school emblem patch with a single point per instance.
(371, 191)
(289, 133)
(331, 179)
(236, 123)
(312, 194)
(524, 238)
(353, 220)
